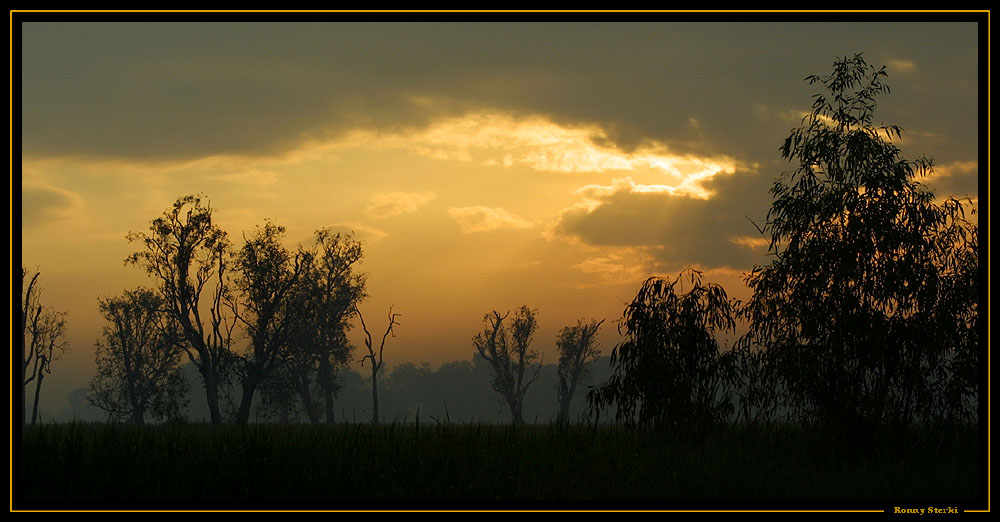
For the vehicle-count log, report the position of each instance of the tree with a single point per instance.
(331, 290)
(507, 351)
(139, 360)
(267, 277)
(184, 251)
(867, 309)
(577, 347)
(376, 357)
(43, 340)
(668, 372)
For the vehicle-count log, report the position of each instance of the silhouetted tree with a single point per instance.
(507, 351)
(30, 311)
(43, 339)
(869, 306)
(668, 371)
(267, 277)
(184, 251)
(139, 360)
(331, 290)
(577, 347)
(376, 357)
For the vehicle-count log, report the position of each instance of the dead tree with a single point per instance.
(376, 358)
(43, 339)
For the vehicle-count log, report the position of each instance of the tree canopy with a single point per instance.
(868, 310)
(139, 360)
(668, 370)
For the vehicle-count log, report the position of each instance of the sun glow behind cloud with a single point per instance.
(498, 139)
(484, 219)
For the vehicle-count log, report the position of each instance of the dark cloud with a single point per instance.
(168, 90)
(680, 230)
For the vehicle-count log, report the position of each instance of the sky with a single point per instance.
(485, 164)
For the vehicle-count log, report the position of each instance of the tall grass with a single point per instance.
(446, 466)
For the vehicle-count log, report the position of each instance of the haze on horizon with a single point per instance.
(485, 165)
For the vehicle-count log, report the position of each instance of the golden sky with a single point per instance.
(485, 165)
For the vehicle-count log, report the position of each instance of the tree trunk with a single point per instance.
(328, 403)
(211, 393)
(302, 381)
(563, 418)
(515, 412)
(38, 389)
(563, 413)
(326, 386)
(138, 416)
(374, 394)
(249, 388)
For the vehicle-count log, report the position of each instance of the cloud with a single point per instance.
(673, 230)
(382, 206)
(903, 66)
(484, 219)
(44, 204)
(954, 179)
(253, 176)
(615, 266)
(495, 138)
(757, 243)
(156, 91)
(360, 231)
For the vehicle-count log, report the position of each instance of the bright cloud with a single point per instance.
(955, 168)
(496, 139)
(751, 242)
(593, 192)
(360, 231)
(483, 219)
(382, 206)
(902, 65)
(615, 266)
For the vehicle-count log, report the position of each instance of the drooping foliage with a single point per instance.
(669, 371)
(867, 316)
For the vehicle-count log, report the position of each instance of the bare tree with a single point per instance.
(509, 357)
(29, 308)
(138, 362)
(376, 358)
(43, 339)
(184, 251)
(577, 347)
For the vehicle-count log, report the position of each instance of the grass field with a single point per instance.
(77, 466)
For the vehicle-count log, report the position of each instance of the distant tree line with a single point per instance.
(455, 392)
